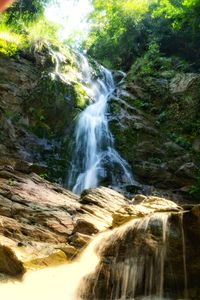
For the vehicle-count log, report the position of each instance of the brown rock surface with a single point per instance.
(9, 263)
(141, 207)
(43, 224)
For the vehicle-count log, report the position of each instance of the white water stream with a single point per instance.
(69, 282)
(141, 270)
(94, 156)
(59, 283)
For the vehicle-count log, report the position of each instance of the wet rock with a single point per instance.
(125, 214)
(196, 144)
(102, 197)
(23, 89)
(139, 198)
(196, 211)
(79, 240)
(187, 170)
(118, 76)
(151, 256)
(45, 225)
(69, 250)
(85, 227)
(159, 204)
(53, 258)
(143, 206)
(151, 129)
(39, 219)
(9, 263)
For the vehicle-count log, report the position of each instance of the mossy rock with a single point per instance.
(80, 96)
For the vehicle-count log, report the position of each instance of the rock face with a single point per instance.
(154, 122)
(10, 264)
(155, 257)
(34, 103)
(44, 224)
(151, 126)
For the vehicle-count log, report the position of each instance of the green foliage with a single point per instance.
(44, 175)
(23, 27)
(151, 64)
(10, 41)
(23, 11)
(2, 136)
(11, 182)
(177, 26)
(116, 33)
(123, 29)
(13, 116)
(81, 97)
(41, 33)
(180, 140)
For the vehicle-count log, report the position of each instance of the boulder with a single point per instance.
(196, 211)
(143, 206)
(9, 263)
(182, 82)
(42, 224)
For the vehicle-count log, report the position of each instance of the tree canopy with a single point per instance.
(123, 29)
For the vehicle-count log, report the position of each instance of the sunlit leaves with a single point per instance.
(114, 23)
(10, 42)
(136, 8)
(24, 27)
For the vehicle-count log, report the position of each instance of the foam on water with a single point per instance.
(94, 156)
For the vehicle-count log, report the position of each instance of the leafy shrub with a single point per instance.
(41, 33)
(10, 42)
(19, 31)
(154, 64)
(180, 140)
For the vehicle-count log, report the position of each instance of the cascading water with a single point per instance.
(126, 263)
(94, 157)
(133, 263)
(141, 271)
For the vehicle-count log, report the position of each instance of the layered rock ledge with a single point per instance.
(43, 224)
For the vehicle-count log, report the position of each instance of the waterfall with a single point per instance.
(126, 263)
(142, 269)
(60, 283)
(94, 157)
(134, 263)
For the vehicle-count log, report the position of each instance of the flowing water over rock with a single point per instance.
(125, 263)
(135, 262)
(131, 263)
(94, 158)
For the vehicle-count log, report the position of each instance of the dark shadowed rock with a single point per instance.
(9, 263)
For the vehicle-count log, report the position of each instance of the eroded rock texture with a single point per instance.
(154, 256)
(153, 120)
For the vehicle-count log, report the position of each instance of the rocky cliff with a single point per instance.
(40, 97)
(41, 223)
(154, 120)
(155, 123)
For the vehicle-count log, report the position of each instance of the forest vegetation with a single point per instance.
(121, 31)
